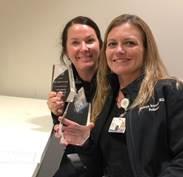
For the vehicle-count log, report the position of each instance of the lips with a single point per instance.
(84, 57)
(121, 60)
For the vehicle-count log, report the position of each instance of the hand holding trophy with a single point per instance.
(77, 108)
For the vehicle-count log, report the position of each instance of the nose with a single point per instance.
(84, 46)
(120, 49)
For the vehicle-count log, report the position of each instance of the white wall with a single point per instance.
(30, 32)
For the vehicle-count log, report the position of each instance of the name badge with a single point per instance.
(118, 125)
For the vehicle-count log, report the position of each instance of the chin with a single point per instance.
(89, 65)
(120, 71)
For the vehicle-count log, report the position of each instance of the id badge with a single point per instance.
(118, 125)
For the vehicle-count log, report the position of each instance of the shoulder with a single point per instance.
(170, 83)
(170, 87)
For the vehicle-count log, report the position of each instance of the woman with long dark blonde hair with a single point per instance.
(137, 108)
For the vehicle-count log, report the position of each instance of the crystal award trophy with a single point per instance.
(63, 80)
(77, 108)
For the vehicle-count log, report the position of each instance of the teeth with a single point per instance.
(120, 60)
(84, 57)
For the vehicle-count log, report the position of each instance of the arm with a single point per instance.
(175, 133)
(86, 158)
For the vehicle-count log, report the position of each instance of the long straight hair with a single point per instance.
(153, 68)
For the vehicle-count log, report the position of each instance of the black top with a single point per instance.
(89, 87)
(114, 149)
(154, 134)
(82, 167)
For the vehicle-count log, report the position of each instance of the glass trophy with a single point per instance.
(77, 108)
(63, 80)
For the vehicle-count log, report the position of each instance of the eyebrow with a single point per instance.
(76, 38)
(125, 39)
(111, 39)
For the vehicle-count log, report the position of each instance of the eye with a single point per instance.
(75, 43)
(111, 44)
(130, 43)
(90, 41)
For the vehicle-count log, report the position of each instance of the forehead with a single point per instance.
(80, 30)
(125, 30)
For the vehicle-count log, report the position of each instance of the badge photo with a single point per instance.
(118, 125)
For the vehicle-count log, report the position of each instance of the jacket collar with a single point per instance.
(130, 91)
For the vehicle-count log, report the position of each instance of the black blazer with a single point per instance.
(154, 131)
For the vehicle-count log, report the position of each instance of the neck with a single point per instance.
(125, 80)
(87, 74)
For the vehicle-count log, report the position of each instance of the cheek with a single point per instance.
(96, 49)
(110, 64)
(138, 56)
(108, 56)
(108, 61)
(141, 58)
(71, 52)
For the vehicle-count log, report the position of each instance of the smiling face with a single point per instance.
(125, 51)
(82, 47)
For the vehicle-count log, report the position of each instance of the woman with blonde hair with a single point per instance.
(137, 109)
